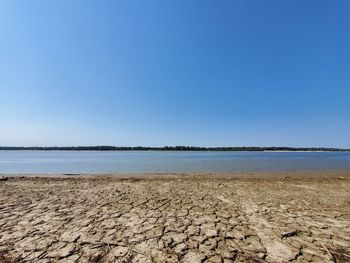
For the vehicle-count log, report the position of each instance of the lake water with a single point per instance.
(50, 162)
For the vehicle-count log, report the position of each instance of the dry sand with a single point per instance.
(289, 217)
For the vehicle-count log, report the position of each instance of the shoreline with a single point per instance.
(230, 151)
(207, 175)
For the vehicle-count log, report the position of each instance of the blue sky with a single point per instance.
(154, 73)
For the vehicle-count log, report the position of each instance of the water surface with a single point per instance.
(51, 162)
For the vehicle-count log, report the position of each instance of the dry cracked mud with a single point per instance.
(176, 218)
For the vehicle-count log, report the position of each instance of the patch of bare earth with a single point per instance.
(183, 218)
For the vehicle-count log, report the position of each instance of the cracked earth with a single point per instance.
(176, 218)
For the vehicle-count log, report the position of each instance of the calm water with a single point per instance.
(150, 161)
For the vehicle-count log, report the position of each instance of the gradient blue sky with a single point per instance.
(154, 73)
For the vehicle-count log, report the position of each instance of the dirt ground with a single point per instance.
(289, 217)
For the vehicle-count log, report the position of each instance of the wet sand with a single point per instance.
(279, 217)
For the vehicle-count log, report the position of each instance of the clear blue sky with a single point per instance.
(154, 73)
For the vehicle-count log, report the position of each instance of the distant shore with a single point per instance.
(173, 148)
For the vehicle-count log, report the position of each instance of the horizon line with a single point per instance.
(174, 148)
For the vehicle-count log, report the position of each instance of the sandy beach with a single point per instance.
(279, 217)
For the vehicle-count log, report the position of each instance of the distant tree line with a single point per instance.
(169, 148)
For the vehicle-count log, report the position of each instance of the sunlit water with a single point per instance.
(51, 162)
